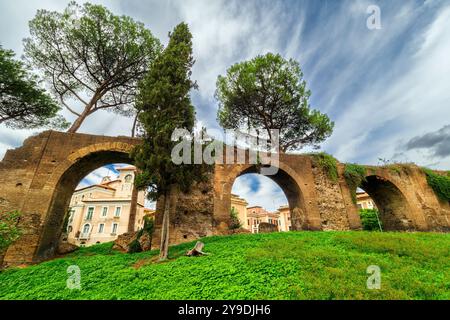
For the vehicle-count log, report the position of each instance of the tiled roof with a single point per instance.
(104, 186)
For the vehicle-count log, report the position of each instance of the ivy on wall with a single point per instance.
(354, 174)
(439, 183)
(328, 163)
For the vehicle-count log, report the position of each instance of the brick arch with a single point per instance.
(116, 149)
(63, 183)
(395, 210)
(291, 184)
(37, 177)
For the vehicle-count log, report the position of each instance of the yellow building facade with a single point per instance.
(251, 217)
(99, 213)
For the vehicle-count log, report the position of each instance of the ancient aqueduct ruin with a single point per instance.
(39, 178)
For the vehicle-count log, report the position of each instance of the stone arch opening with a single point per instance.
(393, 208)
(265, 202)
(65, 187)
(292, 191)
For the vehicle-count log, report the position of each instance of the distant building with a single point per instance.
(251, 217)
(257, 214)
(240, 205)
(99, 213)
(285, 218)
(364, 201)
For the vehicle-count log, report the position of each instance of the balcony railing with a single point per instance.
(85, 236)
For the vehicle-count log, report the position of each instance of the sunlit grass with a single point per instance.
(294, 265)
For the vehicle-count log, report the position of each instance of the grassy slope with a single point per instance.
(295, 265)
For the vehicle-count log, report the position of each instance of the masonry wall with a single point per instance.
(191, 216)
(30, 182)
(39, 178)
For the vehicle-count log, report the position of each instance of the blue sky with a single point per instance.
(387, 90)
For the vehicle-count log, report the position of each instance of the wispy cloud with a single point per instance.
(259, 190)
(382, 88)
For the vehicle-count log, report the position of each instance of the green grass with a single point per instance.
(294, 265)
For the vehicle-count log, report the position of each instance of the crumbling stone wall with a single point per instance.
(191, 216)
(332, 208)
(39, 178)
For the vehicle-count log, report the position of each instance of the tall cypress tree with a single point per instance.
(164, 105)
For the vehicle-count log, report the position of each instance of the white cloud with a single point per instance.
(397, 100)
(268, 194)
(414, 100)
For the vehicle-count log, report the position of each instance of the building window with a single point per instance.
(90, 213)
(248, 222)
(118, 210)
(101, 226)
(128, 178)
(86, 228)
(69, 229)
(71, 214)
(104, 211)
(114, 228)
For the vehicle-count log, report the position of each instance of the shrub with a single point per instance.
(235, 222)
(149, 225)
(135, 246)
(354, 174)
(9, 231)
(439, 183)
(328, 163)
(369, 220)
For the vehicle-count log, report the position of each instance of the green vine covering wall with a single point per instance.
(328, 163)
(439, 183)
(354, 174)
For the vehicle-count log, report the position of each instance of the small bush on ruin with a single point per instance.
(439, 183)
(328, 163)
(9, 230)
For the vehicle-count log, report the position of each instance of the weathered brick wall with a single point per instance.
(39, 178)
(191, 216)
(330, 201)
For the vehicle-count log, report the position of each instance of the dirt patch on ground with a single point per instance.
(146, 261)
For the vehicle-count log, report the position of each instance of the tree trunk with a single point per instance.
(133, 130)
(164, 247)
(77, 123)
(86, 112)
